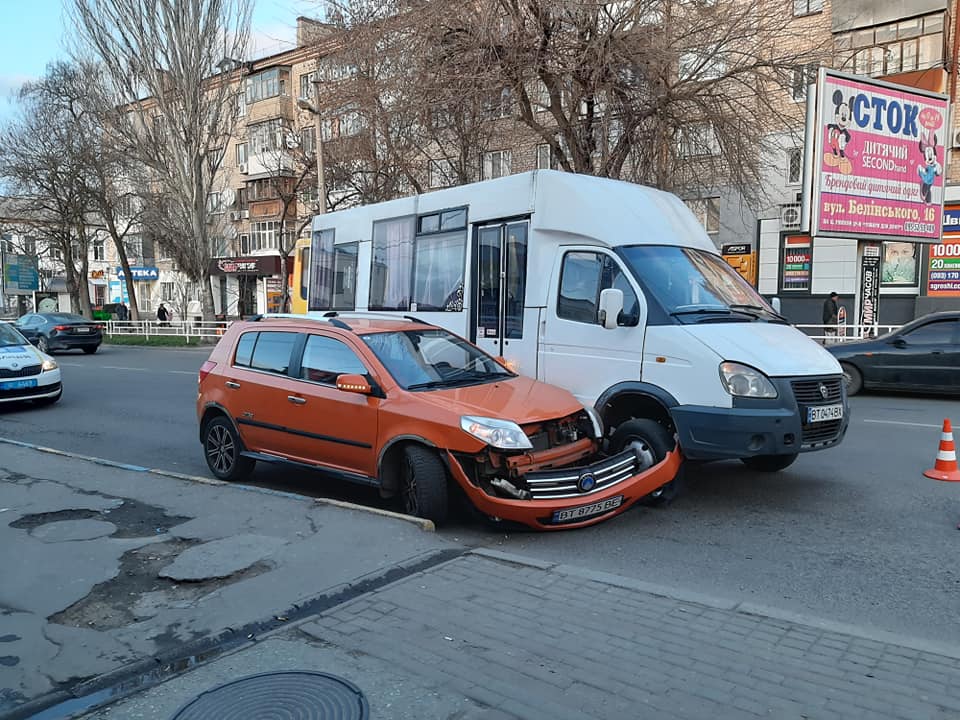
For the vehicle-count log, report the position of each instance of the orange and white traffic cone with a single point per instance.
(945, 467)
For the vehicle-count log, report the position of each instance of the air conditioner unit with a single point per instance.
(242, 168)
(790, 217)
(956, 138)
(234, 215)
(245, 214)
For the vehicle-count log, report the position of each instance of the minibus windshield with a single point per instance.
(695, 286)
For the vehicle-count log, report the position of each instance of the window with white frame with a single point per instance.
(241, 153)
(266, 136)
(306, 84)
(243, 243)
(441, 173)
(794, 166)
(702, 64)
(215, 203)
(539, 95)
(707, 211)
(495, 164)
(267, 84)
(308, 141)
(545, 158)
(807, 7)
(134, 246)
(501, 105)
(264, 235)
(29, 245)
(803, 77)
(167, 291)
(697, 140)
(241, 104)
(144, 292)
(892, 48)
(99, 251)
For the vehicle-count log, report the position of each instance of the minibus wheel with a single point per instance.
(652, 441)
(424, 488)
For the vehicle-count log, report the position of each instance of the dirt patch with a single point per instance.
(137, 593)
(133, 519)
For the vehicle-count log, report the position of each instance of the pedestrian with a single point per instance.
(163, 315)
(831, 313)
(122, 312)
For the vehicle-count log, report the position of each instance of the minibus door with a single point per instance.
(500, 323)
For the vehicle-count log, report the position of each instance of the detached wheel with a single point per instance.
(222, 447)
(91, 350)
(651, 441)
(769, 463)
(424, 490)
(853, 379)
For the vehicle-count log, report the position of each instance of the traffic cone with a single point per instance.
(945, 467)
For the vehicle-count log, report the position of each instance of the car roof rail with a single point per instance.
(365, 315)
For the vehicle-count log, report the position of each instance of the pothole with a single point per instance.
(133, 519)
(137, 593)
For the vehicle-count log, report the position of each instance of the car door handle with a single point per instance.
(297, 400)
(233, 385)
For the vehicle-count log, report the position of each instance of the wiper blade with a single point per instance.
(703, 311)
(759, 308)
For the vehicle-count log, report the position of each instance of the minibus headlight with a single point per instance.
(501, 434)
(745, 381)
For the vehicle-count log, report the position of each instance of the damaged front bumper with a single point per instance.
(563, 497)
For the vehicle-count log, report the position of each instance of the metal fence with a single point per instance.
(845, 333)
(190, 329)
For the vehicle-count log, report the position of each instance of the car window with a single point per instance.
(9, 336)
(245, 349)
(272, 351)
(325, 359)
(939, 332)
(582, 277)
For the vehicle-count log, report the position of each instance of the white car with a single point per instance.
(25, 372)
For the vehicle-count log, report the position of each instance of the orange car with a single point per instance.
(410, 408)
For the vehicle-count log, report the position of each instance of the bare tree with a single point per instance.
(44, 156)
(171, 70)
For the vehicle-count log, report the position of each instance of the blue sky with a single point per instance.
(32, 34)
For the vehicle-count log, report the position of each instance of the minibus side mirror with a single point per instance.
(611, 305)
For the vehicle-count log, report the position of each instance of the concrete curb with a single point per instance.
(425, 525)
(730, 605)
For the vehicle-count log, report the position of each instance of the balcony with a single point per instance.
(280, 106)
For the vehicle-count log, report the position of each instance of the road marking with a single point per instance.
(133, 369)
(900, 422)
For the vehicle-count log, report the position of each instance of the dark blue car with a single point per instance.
(61, 331)
(922, 356)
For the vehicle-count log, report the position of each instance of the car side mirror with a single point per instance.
(354, 384)
(898, 342)
(611, 305)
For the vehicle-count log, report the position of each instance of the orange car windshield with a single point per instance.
(428, 359)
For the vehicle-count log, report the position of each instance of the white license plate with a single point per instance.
(82, 329)
(824, 413)
(585, 511)
(17, 384)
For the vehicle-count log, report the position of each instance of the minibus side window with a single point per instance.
(582, 277)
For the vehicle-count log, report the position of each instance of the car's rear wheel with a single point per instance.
(652, 442)
(91, 350)
(853, 379)
(424, 491)
(222, 448)
(43, 344)
(769, 463)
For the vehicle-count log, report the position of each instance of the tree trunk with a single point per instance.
(209, 309)
(127, 275)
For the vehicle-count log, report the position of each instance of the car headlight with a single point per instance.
(501, 434)
(745, 381)
(596, 421)
(49, 364)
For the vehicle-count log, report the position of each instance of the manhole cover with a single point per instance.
(280, 695)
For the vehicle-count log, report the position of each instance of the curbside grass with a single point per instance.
(156, 340)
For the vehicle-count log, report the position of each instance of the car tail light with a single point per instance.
(61, 328)
(205, 369)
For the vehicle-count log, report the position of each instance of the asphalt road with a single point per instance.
(854, 534)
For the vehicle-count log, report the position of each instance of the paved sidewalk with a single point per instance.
(494, 637)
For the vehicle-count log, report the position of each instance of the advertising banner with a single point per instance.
(878, 160)
(869, 287)
(943, 274)
(20, 275)
(797, 263)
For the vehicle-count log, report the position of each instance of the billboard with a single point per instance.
(878, 160)
(20, 276)
(943, 268)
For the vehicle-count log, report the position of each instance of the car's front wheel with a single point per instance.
(769, 463)
(43, 345)
(853, 379)
(424, 491)
(222, 448)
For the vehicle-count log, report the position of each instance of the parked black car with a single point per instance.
(923, 355)
(61, 331)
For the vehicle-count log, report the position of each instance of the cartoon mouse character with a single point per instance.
(838, 135)
(930, 168)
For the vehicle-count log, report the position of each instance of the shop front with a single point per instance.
(243, 286)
